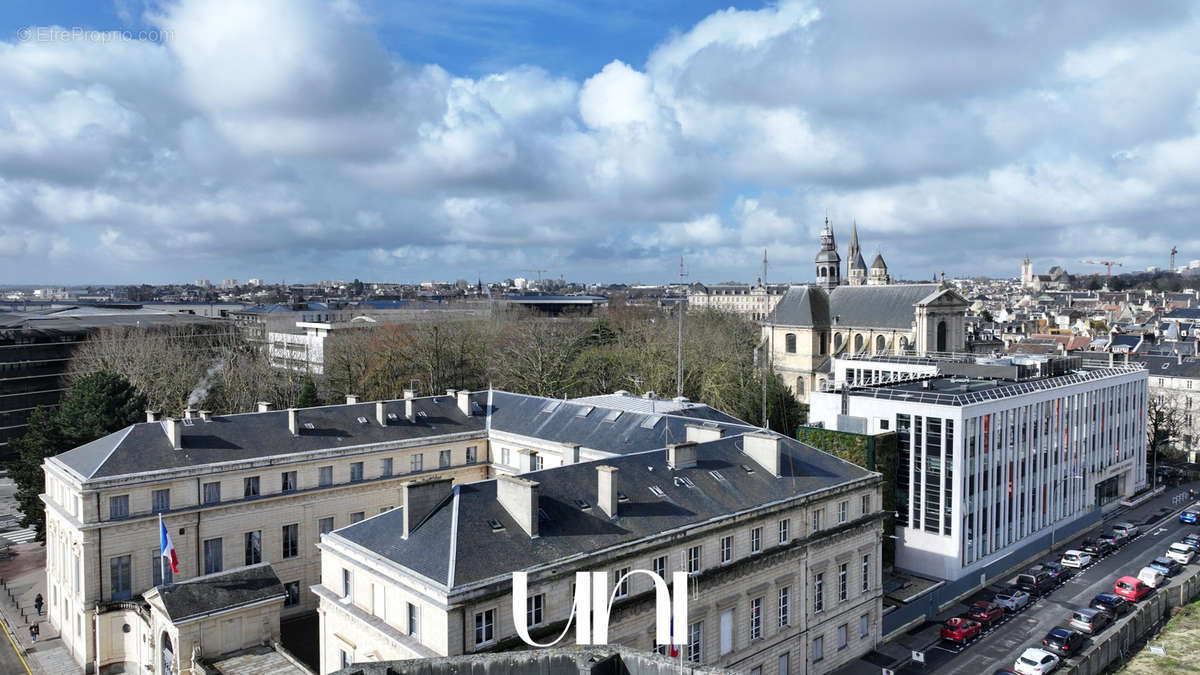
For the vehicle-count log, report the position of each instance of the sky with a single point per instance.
(300, 140)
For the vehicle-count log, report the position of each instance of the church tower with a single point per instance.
(829, 263)
(1027, 273)
(856, 269)
(879, 274)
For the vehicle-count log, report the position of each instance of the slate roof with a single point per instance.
(223, 590)
(1169, 366)
(440, 549)
(1183, 313)
(803, 306)
(225, 438)
(890, 306)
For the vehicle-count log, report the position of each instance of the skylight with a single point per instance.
(621, 496)
(393, 416)
(747, 468)
(495, 525)
(309, 425)
(717, 475)
(584, 411)
(362, 420)
(651, 421)
(612, 415)
(582, 504)
(551, 406)
(657, 491)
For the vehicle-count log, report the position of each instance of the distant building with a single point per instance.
(1055, 279)
(254, 282)
(229, 284)
(754, 301)
(203, 283)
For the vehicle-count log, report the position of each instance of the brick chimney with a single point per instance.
(519, 496)
(681, 455)
(421, 497)
(606, 489)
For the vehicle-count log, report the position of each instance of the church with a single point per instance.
(864, 315)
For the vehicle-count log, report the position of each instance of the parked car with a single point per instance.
(1076, 558)
(961, 630)
(1063, 641)
(1192, 542)
(1055, 569)
(1115, 540)
(1097, 547)
(1167, 566)
(1012, 600)
(985, 612)
(1005, 671)
(1151, 577)
(1181, 553)
(1115, 605)
(1193, 536)
(1189, 517)
(1034, 661)
(1090, 620)
(1131, 588)
(1035, 583)
(1128, 529)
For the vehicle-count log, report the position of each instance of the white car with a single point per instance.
(1034, 661)
(1181, 553)
(1012, 600)
(1076, 559)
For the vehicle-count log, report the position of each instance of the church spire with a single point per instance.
(828, 262)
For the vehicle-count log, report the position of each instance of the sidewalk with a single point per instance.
(24, 576)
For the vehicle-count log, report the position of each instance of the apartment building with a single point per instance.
(994, 451)
(755, 301)
(1175, 384)
(232, 491)
(780, 544)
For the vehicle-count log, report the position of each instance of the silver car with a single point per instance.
(1013, 600)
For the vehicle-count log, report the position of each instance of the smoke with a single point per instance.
(200, 392)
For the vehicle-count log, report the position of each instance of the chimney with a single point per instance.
(451, 392)
(380, 414)
(764, 449)
(409, 411)
(698, 433)
(606, 489)
(351, 399)
(264, 406)
(570, 453)
(206, 415)
(410, 393)
(188, 412)
(681, 455)
(525, 459)
(294, 421)
(174, 432)
(421, 497)
(464, 402)
(519, 496)
(151, 415)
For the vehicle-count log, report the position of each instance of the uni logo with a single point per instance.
(592, 604)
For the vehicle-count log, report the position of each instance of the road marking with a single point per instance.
(8, 633)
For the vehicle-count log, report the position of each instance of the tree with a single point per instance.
(96, 405)
(1164, 422)
(308, 395)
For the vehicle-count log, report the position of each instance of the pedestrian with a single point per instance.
(33, 632)
(37, 604)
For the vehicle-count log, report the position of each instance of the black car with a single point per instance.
(1113, 604)
(1171, 565)
(1096, 547)
(1036, 582)
(1064, 641)
(1056, 570)
(1114, 539)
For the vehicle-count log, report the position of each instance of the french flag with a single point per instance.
(166, 547)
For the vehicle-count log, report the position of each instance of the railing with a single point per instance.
(141, 607)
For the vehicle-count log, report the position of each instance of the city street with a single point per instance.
(999, 646)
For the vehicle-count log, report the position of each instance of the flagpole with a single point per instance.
(162, 560)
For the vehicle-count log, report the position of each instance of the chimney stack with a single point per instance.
(151, 415)
(681, 455)
(264, 406)
(421, 497)
(464, 402)
(699, 433)
(294, 421)
(380, 414)
(571, 453)
(519, 496)
(188, 412)
(764, 449)
(451, 392)
(606, 489)
(206, 415)
(174, 432)
(409, 410)
(351, 399)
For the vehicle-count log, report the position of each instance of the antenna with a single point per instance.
(679, 305)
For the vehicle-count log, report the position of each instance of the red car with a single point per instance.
(1131, 588)
(960, 630)
(985, 612)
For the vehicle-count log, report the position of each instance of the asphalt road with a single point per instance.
(10, 661)
(1001, 645)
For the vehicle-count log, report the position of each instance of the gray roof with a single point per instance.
(223, 590)
(890, 306)
(1183, 313)
(1169, 366)
(878, 263)
(247, 436)
(440, 548)
(803, 306)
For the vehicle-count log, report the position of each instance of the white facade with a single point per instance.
(976, 479)
(300, 352)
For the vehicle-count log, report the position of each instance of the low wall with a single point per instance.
(1115, 645)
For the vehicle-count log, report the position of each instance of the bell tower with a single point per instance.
(828, 262)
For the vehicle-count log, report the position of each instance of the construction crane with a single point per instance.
(1107, 263)
(1173, 252)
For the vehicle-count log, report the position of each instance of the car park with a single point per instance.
(1128, 529)
(1114, 604)
(1189, 517)
(1012, 600)
(1151, 577)
(1034, 661)
(1167, 566)
(961, 630)
(985, 612)
(1035, 582)
(1181, 553)
(1090, 620)
(1076, 558)
(1063, 641)
(1131, 588)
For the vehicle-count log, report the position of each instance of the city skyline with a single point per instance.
(488, 141)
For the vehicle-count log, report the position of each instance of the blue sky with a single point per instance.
(304, 140)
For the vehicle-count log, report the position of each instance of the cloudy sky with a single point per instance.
(306, 140)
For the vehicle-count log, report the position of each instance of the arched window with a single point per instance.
(824, 343)
(880, 344)
(837, 341)
(789, 343)
(858, 343)
(941, 336)
(800, 386)
(903, 344)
